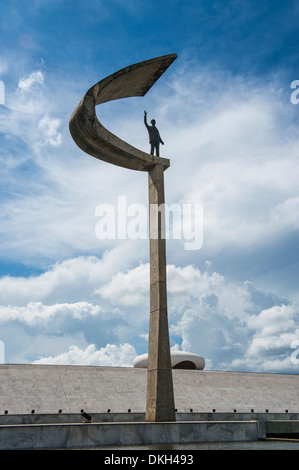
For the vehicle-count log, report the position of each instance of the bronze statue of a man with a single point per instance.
(154, 136)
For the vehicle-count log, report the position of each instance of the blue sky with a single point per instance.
(231, 132)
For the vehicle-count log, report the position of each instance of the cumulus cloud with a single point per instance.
(42, 308)
(51, 316)
(110, 355)
(71, 280)
(234, 325)
(130, 288)
(274, 333)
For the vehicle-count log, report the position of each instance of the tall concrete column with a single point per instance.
(93, 138)
(160, 395)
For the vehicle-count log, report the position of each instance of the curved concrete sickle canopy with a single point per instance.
(93, 138)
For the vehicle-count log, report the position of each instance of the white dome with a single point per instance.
(179, 360)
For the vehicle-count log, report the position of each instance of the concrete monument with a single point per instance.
(91, 136)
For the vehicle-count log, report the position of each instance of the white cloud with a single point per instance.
(227, 324)
(286, 214)
(74, 279)
(25, 84)
(49, 129)
(275, 329)
(130, 288)
(273, 320)
(37, 314)
(110, 355)
(232, 324)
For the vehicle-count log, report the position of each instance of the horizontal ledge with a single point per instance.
(67, 435)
